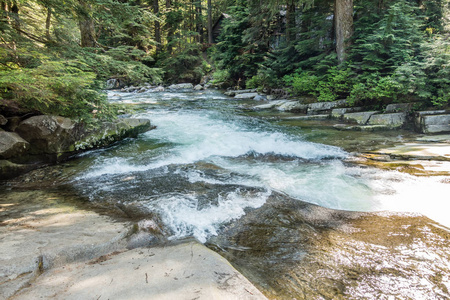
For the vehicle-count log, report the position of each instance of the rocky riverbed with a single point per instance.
(122, 222)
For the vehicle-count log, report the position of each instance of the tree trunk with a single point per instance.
(87, 26)
(210, 33)
(48, 23)
(290, 21)
(343, 18)
(199, 20)
(157, 24)
(15, 15)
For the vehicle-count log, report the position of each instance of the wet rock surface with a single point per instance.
(294, 250)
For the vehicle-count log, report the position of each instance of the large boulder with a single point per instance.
(111, 132)
(393, 120)
(11, 144)
(58, 135)
(48, 134)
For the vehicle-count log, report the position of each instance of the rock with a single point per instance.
(142, 90)
(246, 95)
(198, 87)
(432, 122)
(12, 145)
(293, 106)
(398, 107)
(260, 98)
(181, 86)
(319, 253)
(48, 134)
(111, 132)
(13, 123)
(3, 120)
(311, 117)
(183, 271)
(321, 107)
(392, 120)
(158, 89)
(338, 113)
(359, 117)
(58, 135)
(42, 232)
(346, 127)
(112, 84)
(270, 105)
(230, 93)
(10, 170)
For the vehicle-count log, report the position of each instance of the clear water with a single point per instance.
(208, 160)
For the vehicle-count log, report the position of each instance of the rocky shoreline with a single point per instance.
(59, 250)
(41, 140)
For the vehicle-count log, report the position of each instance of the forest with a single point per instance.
(56, 55)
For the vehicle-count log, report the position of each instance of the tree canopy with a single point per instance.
(56, 55)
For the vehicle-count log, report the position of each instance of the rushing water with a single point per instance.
(209, 160)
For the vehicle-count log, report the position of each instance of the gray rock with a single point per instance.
(158, 89)
(183, 271)
(48, 134)
(339, 112)
(111, 132)
(198, 87)
(360, 118)
(58, 135)
(260, 98)
(398, 107)
(293, 106)
(12, 145)
(112, 84)
(392, 120)
(432, 112)
(270, 105)
(230, 93)
(246, 95)
(309, 117)
(54, 235)
(3, 120)
(181, 86)
(321, 107)
(433, 123)
(142, 90)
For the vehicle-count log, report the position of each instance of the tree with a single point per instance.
(86, 24)
(343, 16)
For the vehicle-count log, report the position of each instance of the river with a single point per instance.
(208, 160)
(211, 160)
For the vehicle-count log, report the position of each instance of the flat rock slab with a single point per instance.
(246, 96)
(184, 271)
(426, 151)
(38, 232)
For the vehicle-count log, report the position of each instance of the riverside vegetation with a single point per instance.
(55, 56)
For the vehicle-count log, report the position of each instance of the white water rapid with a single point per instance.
(206, 163)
